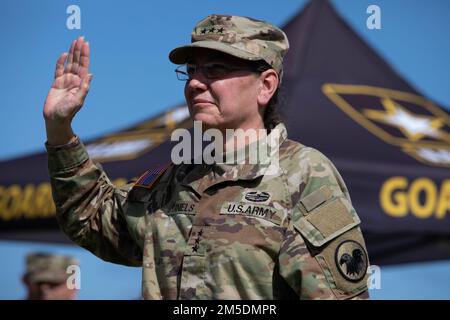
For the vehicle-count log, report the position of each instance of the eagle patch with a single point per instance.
(351, 260)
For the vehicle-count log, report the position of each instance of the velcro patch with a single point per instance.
(345, 263)
(330, 218)
(151, 176)
(248, 209)
(316, 198)
(351, 260)
(257, 196)
(182, 207)
(327, 221)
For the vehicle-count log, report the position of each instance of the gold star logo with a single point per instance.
(413, 126)
(408, 121)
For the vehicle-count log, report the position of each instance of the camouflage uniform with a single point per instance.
(43, 267)
(221, 231)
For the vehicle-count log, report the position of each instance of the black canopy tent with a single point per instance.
(390, 144)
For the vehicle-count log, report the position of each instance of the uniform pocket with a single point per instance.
(327, 221)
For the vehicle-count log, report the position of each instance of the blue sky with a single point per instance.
(133, 80)
(130, 41)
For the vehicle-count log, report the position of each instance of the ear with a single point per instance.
(269, 84)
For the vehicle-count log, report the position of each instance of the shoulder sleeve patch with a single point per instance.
(345, 262)
(151, 176)
(144, 186)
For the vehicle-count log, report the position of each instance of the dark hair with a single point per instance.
(271, 115)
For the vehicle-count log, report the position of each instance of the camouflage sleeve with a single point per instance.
(323, 255)
(90, 209)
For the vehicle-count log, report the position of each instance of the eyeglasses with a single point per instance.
(211, 70)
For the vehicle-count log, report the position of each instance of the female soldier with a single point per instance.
(216, 231)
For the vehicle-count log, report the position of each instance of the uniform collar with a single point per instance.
(203, 176)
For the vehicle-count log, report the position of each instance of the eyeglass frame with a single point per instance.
(254, 68)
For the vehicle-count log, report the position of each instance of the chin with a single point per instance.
(206, 120)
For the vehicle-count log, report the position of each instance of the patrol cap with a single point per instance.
(44, 267)
(242, 37)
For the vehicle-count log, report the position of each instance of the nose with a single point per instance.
(197, 82)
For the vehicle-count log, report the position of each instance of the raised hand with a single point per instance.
(68, 91)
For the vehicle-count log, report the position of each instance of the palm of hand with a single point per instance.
(71, 83)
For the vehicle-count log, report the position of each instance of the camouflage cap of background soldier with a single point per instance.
(242, 37)
(44, 267)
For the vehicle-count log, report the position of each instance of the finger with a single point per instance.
(59, 70)
(70, 57)
(84, 88)
(77, 54)
(84, 60)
